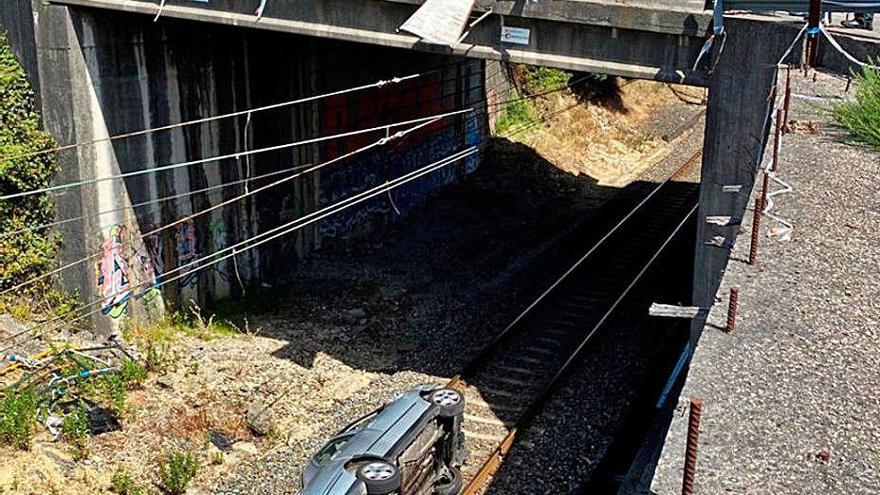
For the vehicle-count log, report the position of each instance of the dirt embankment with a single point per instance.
(612, 134)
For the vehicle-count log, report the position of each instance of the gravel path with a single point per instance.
(791, 401)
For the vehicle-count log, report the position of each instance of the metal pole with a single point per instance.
(760, 201)
(778, 135)
(787, 101)
(731, 309)
(690, 456)
(813, 31)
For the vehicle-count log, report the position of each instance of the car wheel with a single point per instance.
(450, 401)
(451, 486)
(380, 477)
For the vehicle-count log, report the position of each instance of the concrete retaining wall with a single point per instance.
(104, 73)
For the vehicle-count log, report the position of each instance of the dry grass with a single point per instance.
(609, 140)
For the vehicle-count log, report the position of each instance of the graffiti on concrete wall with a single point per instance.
(431, 94)
(127, 269)
(219, 240)
(111, 269)
(152, 262)
(186, 246)
(472, 137)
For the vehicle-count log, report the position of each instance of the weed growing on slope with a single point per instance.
(75, 431)
(517, 114)
(861, 116)
(545, 79)
(176, 472)
(18, 418)
(123, 484)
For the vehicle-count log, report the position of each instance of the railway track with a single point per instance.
(506, 384)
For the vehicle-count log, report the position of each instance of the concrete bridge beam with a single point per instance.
(647, 41)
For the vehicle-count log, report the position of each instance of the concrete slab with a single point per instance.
(642, 40)
(790, 401)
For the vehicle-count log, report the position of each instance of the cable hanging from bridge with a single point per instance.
(213, 189)
(205, 190)
(247, 112)
(200, 263)
(218, 158)
(421, 122)
(511, 132)
(203, 120)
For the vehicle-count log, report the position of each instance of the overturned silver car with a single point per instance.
(410, 446)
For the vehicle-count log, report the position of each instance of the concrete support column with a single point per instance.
(737, 124)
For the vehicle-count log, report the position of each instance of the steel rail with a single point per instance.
(490, 347)
(490, 466)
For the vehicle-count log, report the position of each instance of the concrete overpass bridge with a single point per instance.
(641, 39)
(104, 67)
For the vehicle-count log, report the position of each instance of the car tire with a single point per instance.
(380, 477)
(449, 401)
(453, 486)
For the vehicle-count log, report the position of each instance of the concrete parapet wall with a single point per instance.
(642, 40)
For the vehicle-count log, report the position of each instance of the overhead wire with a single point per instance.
(200, 161)
(199, 264)
(218, 158)
(380, 142)
(389, 184)
(423, 121)
(210, 189)
(125, 135)
(246, 182)
(509, 133)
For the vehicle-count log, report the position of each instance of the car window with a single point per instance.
(362, 422)
(329, 450)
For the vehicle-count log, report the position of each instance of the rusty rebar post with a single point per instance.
(731, 309)
(690, 454)
(777, 137)
(786, 102)
(760, 201)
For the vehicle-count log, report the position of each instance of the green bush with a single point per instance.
(133, 374)
(75, 431)
(177, 471)
(122, 484)
(545, 79)
(18, 418)
(109, 389)
(516, 114)
(861, 116)
(27, 254)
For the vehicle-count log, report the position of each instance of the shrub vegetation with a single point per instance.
(176, 472)
(18, 412)
(26, 254)
(861, 116)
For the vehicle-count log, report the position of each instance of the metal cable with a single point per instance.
(200, 161)
(377, 84)
(211, 189)
(425, 121)
(250, 244)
